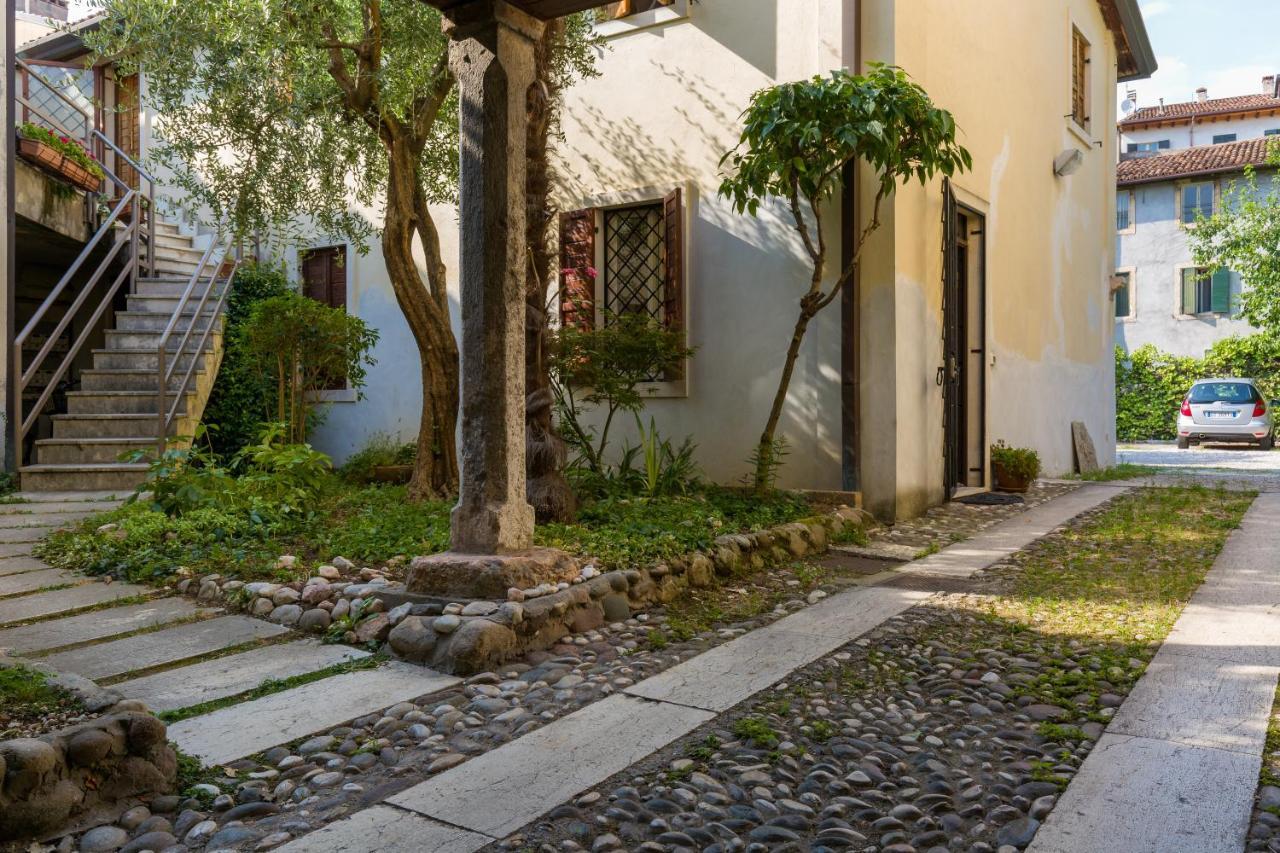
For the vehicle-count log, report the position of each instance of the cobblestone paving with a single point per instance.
(295, 788)
(950, 522)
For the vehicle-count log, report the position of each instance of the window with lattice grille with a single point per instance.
(634, 261)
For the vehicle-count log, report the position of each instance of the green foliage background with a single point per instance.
(1150, 384)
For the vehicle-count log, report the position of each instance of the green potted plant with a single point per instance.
(1015, 468)
(60, 156)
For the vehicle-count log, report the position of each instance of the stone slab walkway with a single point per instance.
(97, 625)
(493, 795)
(59, 601)
(18, 565)
(1178, 767)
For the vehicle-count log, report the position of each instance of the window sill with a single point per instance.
(338, 395)
(1131, 230)
(1080, 133)
(1129, 319)
(678, 11)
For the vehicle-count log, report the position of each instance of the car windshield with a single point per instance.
(1221, 392)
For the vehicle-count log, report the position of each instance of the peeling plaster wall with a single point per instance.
(1154, 254)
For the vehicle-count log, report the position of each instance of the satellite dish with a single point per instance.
(1127, 106)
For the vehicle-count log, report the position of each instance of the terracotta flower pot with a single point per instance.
(392, 473)
(53, 161)
(1009, 482)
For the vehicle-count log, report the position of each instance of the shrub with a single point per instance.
(382, 449)
(304, 347)
(1020, 462)
(243, 396)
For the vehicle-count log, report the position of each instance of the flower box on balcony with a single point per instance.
(40, 148)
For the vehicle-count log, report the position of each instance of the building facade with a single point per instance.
(1176, 161)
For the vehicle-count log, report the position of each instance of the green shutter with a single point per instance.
(1220, 301)
(1188, 291)
(1122, 297)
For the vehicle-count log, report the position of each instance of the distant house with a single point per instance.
(1175, 161)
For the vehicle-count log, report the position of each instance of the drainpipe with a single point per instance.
(8, 268)
(850, 473)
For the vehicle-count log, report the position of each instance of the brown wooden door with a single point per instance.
(128, 126)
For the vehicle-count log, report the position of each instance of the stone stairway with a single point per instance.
(115, 409)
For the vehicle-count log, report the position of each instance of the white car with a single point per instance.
(1226, 410)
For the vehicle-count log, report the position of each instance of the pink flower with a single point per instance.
(591, 272)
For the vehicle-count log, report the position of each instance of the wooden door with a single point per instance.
(128, 134)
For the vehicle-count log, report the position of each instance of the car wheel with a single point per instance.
(1183, 443)
(1268, 442)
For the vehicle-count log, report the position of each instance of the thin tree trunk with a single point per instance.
(435, 471)
(765, 461)
(545, 452)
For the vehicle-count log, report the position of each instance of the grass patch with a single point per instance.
(26, 697)
(1270, 774)
(756, 730)
(1123, 471)
(271, 686)
(371, 524)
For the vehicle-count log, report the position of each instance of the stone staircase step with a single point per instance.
(166, 646)
(89, 451)
(121, 476)
(141, 359)
(167, 304)
(119, 403)
(20, 565)
(171, 241)
(98, 625)
(138, 425)
(58, 601)
(137, 339)
(33, 581)
(249, 727)
(146, 321)
(169, 287)
(234, 674)
(130, 379)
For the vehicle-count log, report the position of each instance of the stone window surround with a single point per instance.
(1178, 188)
(678, 388)
(1132, 196)
(333, 395)
(1132, 273)
(677, 11)
(1178, 313)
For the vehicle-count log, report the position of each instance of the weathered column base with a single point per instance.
(488, 576)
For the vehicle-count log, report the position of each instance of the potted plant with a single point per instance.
(1015, 468)
(60, 156)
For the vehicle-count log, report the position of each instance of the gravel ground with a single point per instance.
(294, 789)
(1238, 465)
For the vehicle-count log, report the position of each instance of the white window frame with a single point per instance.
(1132, 273)
(677, 11)
(333, 395)
(1177, 294)
(1133, 210)
(678, 388)
(1181, 186)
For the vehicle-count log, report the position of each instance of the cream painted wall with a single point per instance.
(1003, 70)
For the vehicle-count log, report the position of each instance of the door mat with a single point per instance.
(991, 499)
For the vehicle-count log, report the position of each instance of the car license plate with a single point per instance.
(1220, 414)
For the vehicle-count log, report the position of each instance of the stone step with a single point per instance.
(134, 339)
(81, 496)
(154, 321)
(118, 403)
(98, 625)
(167, 304)
(121, 476)
(166, 646)
(141, 359)
(20, 565)
(171, 241)
(54, 602)
(26, 534)
(15, 549)
(90, 451)
(233, 674)
(29, 507)
(169, 287)
(242, 730)
(54, 519)
(141, 425)
(33, 581)
(125, 379)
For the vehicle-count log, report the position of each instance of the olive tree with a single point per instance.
(1243, 234)
(796, 142)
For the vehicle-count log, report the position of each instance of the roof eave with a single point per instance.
(1180, 176)
(1142, 58)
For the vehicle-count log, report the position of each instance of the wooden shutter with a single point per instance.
(673, 237)
(1079, 78)
(1189, 278)
(1220, 292)
(338, 277)
(577, 260)
(128, 134)
(324, 276)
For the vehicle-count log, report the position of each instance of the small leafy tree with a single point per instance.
(796, 142)
(306, 347)
(1244, 235)
(603, 369)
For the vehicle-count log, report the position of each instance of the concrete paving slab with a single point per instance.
(233, 674)
(48, 519)
(721, 677)
(51, 507)
(61, 497)
(59, 601)
(32, 581)
(1142, 795)
(15, 549)
(1245, 635)
(98, 625)
(1180, 699)
(169, 645)
(239, 730)
(382, 829)
(18, 565)
(1013, 534)
(13, 535)
(502, 790)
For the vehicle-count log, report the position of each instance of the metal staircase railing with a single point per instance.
(131, 235)
(164, 368)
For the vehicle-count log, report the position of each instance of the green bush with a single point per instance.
(1020, 462)
(242, 395)
(1151, 384)
(381, 450)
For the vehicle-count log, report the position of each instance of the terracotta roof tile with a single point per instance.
(1213, 106)
(1203, 159)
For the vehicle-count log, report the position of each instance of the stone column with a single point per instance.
(491, 55)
